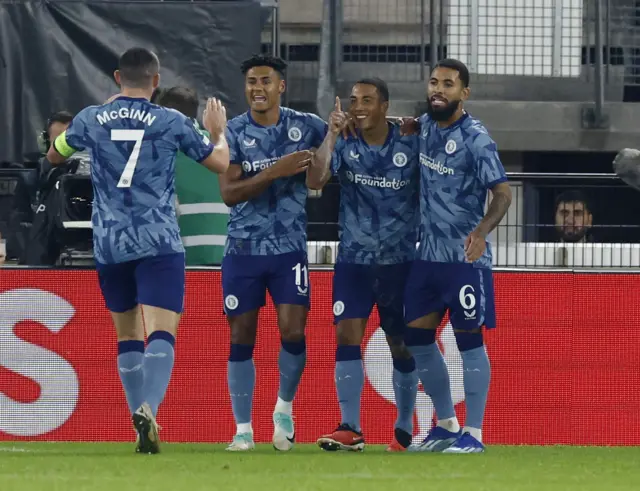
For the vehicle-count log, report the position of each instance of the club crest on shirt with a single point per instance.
(450, 147)
(246, 165)
(295, 135)
(400, 159)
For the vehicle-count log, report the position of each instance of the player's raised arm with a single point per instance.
(69, 141)
(319, 171)
(215, 121)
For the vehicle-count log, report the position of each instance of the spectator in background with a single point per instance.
(202, 214)
(573, 217)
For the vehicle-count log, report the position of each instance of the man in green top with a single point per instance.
(202, 214)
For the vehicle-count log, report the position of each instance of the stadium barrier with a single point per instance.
(564, 359)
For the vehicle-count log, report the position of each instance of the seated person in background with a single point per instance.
(573, 218)
(202, 215)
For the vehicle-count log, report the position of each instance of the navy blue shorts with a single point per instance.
(157, 281)
(357, 287)
(246, 279)
(467, 293)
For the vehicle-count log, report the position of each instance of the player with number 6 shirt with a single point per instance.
(459, 164)
(139, 255)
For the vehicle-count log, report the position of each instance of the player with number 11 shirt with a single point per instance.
(139, 254)
(266, 249)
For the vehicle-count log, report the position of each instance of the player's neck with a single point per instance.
(136, 93)
(266, 118)
(456, 116)
(377, 135)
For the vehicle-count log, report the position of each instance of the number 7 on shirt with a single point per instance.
(130, 167)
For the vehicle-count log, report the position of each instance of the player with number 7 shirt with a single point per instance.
(139, 255)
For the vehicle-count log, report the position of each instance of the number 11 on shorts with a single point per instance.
(302, 278)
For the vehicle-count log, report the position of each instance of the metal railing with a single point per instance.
(591, 45)
(555, 220)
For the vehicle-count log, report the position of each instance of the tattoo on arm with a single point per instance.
(500, 202)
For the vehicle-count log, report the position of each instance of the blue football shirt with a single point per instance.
(458, 165)
(133, 146)
(276, 221)
(379, 201)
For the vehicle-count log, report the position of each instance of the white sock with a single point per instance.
(450, 424)
(244, 428)
(284, 407)
(474, 432)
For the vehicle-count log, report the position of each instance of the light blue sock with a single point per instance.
(432, 371)
(241, 377)
(130, 363)
(158, 365)
(477, 375)
(349, 384)
(291, 361)
(405, 389)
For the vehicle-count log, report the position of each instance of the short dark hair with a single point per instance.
(458, 66)
(572, 196)
(64, 117)
(379, 84)
(181, 99)
(278, 64)
(137, 67)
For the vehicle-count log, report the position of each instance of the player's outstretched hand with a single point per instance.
(292, 164)
(474, 246)
(408, 126)
(215, 117)
(627, 166)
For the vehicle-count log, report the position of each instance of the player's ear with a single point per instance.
(282, 86)
(466, 92)
(385, 107)
(116, 77)
(589, 220)
(156, 81)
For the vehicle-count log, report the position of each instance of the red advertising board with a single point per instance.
(565, 364)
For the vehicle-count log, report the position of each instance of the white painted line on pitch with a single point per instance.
(14, 449)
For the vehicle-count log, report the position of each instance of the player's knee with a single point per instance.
(292, 320)
(419, 337)
(348, 334)
(292, 333)
(243, 330)
(467, 341)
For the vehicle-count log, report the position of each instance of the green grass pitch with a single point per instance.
(104, 466)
